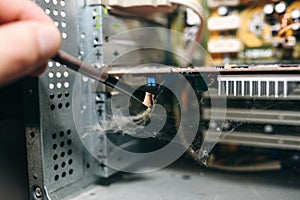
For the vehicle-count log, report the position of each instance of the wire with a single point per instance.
(287, 28)
(266, 166)
(192, 4)
(198, 9)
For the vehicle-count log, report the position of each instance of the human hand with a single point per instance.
(28, 38)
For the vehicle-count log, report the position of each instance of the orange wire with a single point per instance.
(285, 29)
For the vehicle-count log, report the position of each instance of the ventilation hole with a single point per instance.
(62, 144)
(54, 146)
(55, 167)
(67, 105)
(54, 136)
(69, 142)
(32, 134)
(59, 95)
(55, 157)
(64, 174)
(63, 24)
(52, 96)
(67, 84)
(63, 13)
(61, 134)
(62, 154)
(51, 86)
(85, 79)
(88, 165)
(47, 1)
(55, 12)
(57, 64)
(52, 107)
(50, 75)
(63, 164)
(60, 105)
(71, 171)
(68, 132)
(58, 85)
(58, 74)
(70, 152)
(95, 12)
(47, 11)
(56, 23)
(66, 74)
(64, 35)
(62, 3)
(82, 35)
(70, 162)
(67, 94)
(56, 178)
(50, 64)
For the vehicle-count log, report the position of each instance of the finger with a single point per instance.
(23, 52)
(15, 10)
(39, 70)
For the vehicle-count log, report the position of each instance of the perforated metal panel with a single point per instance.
(59, 166)
(57, 161)
(59, 135)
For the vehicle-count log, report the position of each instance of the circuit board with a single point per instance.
(248, 31)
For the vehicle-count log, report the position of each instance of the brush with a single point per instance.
(94, 73)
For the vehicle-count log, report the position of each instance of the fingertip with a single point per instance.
(49, 40)
(41, 69)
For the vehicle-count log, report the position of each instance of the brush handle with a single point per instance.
(92, 72)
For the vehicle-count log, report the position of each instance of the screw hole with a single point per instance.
(35, 176)
(32, 134)
(37, 192)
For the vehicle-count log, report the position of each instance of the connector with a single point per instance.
(217, 3)
(231, 22)
(131, 3)
(225, 46)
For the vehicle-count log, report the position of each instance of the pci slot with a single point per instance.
(259, 140)
(256, 116)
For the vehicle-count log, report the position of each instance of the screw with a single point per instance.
(38, 192)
